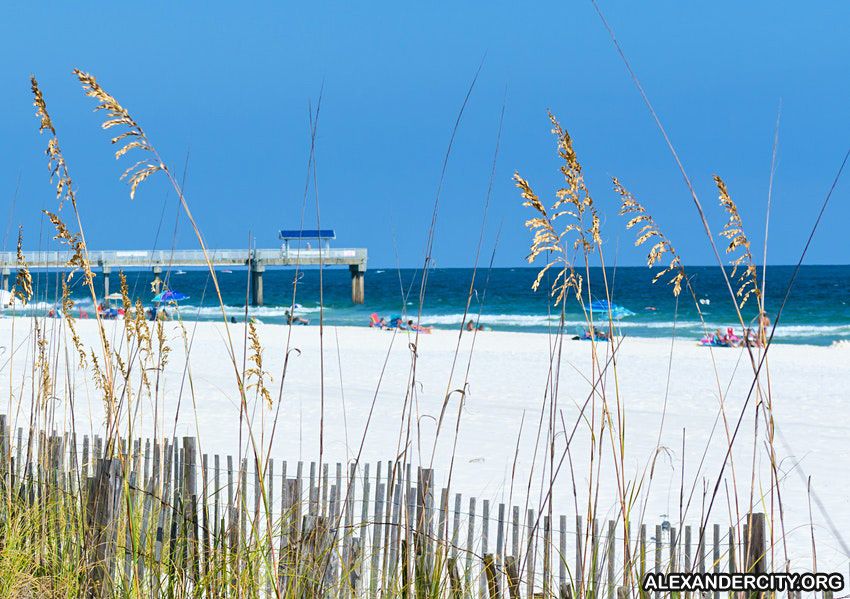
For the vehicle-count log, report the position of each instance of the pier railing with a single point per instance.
(149, 258)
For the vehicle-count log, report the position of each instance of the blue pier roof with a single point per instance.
(307, 234)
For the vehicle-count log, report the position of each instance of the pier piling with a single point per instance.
(106, 270)
(257, 270)
(358, 283)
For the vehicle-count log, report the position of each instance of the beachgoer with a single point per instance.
(470, 326)
(764, 325)
(732, 338)
(720, 338)
(418, 327)
(52, 313)
(233, 319)
(292, 319)
(382, 323)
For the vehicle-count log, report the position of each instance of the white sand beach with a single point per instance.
(506, 376)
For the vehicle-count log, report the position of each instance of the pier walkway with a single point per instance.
(157, 260)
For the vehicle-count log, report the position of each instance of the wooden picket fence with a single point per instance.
(156, 517)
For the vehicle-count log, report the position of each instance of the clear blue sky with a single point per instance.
(230, 84)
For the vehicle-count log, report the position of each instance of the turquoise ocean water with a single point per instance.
(817, 310)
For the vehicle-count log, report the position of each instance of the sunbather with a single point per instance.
(292, 319)
(418, 327)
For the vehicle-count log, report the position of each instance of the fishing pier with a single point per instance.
(104, 262)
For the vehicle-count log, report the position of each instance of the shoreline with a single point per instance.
(683, 338)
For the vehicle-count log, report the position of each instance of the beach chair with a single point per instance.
(374, 321)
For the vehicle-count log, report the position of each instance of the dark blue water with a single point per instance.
(817, 310)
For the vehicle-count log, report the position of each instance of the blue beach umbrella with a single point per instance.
(603, 306)
(169, 296)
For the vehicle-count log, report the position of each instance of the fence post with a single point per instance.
(578, 583)
(755, 553)
(190, 488)
(422, 549)
(642, 551)
(103, 507)
(611, 559)
(513, 576)
(455, 586)
(715, 555)
(4, 452)
(530, 553)
(492, 579)
(657, 555)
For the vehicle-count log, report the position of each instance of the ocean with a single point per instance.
(817, 310)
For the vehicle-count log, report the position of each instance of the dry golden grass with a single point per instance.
(75, 244)
(733, 230)
(572, 200)
(256, 374)
(23, 279)
(133, 138)
(651, 230)
(56, 162)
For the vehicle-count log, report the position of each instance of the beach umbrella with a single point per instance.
(603, 306)
(169, 296)
(114, 296)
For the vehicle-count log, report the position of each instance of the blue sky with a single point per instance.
(229, 87)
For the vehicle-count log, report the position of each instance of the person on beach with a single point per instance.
(376, 322)
(763, 326)
(720, 338)
(418, 327)
(732, 338)
(292, 319)
(470, 326)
